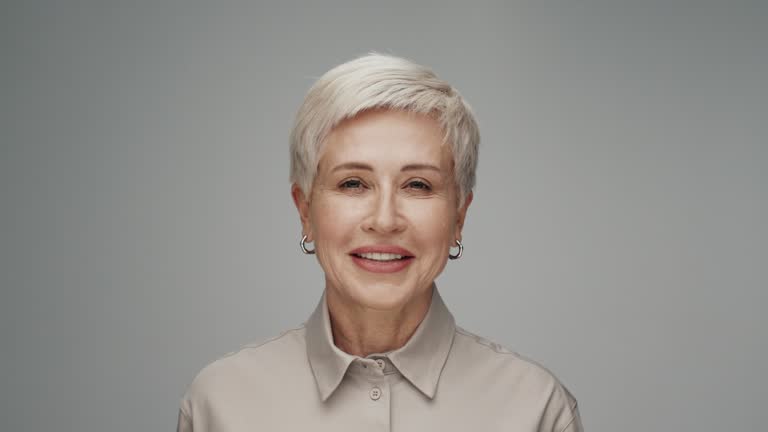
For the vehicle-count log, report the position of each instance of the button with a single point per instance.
(375, 393)
(380, 362)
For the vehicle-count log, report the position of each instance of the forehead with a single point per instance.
(387, 136)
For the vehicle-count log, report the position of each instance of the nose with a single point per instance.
(384, 216)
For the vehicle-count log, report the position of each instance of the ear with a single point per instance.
(463, 215)
(302, 205)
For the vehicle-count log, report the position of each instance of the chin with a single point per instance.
(387, 296)
(381, 295)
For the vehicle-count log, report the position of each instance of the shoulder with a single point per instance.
(513, 377)
(494, 353)
(252, 363)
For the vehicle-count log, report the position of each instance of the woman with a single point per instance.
(383, 157)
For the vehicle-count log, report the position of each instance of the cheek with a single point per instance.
(434, 224)
(333, 221)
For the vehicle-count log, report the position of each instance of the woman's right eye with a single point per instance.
(352, 184)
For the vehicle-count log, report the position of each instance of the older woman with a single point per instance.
(383, 157)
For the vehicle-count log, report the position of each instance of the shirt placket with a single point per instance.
(377, 391)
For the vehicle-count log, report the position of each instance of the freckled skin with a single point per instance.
(384, 177)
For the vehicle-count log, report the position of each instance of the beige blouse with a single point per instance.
(443, 379)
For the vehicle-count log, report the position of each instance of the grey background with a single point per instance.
(617, 234)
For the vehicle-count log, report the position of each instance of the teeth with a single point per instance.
(377, 256)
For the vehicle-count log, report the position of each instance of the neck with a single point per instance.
(361, 331)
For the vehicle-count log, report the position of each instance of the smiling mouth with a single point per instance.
(381, 256)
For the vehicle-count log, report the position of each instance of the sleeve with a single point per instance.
(184, 423)
(561, 412)
(574, 425)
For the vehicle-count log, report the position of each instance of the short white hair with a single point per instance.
(381, 81)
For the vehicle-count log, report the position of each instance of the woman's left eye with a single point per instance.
(420, 185)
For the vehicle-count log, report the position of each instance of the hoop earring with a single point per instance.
(304, 246)
(458, 255)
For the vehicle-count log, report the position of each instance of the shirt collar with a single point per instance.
(420, 360)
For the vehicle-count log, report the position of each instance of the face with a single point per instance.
(383, 212)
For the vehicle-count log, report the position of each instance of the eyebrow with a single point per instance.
(366, 167)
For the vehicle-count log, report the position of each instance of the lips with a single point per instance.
(386, 249)
(382, 258)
